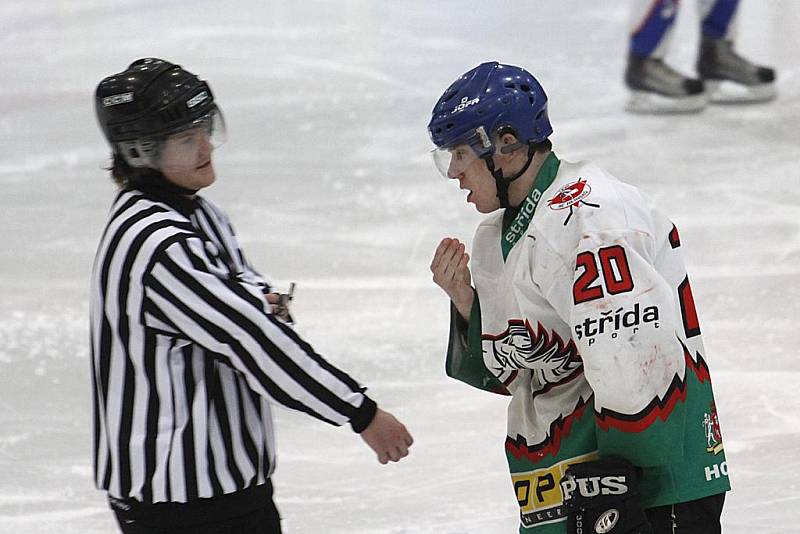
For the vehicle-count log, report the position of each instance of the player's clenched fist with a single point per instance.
(451, 272)
(388, 437)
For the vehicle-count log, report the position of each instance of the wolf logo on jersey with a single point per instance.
(520, 347)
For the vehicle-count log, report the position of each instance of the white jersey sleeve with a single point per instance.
(610, 290)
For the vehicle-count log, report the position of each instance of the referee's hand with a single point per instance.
(388, 437)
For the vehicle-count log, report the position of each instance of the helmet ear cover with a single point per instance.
(139, 153)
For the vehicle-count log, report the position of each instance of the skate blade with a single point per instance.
(644, 102)
(730, 92)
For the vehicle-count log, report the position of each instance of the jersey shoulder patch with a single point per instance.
(584, 199)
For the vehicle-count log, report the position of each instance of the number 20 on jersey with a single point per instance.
(604, 273)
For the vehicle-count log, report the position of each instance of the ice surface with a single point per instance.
(327, 179)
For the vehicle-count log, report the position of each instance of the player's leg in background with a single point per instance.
(652, 22)
(656, 87)
(729, 77)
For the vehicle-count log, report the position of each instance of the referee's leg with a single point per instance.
(248, 511)
(263, 521)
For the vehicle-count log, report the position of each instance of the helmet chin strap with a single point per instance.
(504, 182)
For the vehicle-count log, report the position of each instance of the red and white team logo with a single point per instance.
(572, 196)
(712, 430)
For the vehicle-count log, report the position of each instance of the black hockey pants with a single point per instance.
(250, 511)
(694, 517)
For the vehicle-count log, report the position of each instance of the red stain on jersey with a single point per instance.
(658, 408)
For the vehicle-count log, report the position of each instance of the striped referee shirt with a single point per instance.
(186, 357)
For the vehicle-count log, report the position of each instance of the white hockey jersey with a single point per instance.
(585, 317)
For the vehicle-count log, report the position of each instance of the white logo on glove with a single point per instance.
(594, 486)
(607, 521)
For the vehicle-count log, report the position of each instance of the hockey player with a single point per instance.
(187, 352)
(725, 76)
(577, 305)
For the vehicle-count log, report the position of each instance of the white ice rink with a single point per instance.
(327, 178)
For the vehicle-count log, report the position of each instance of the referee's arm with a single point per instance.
(194, 293)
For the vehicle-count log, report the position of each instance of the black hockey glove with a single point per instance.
(602, 497)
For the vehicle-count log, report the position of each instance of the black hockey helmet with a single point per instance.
(152, 98)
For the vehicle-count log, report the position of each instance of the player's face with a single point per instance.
(475, 178)
(186, 159)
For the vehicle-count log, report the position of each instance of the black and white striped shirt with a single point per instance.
(186, 357)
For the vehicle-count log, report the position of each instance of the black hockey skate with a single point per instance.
(658, 88)
(730, 78)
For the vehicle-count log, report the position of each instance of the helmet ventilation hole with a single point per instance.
(170, 115)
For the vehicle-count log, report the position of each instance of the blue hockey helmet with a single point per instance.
(486, 101)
